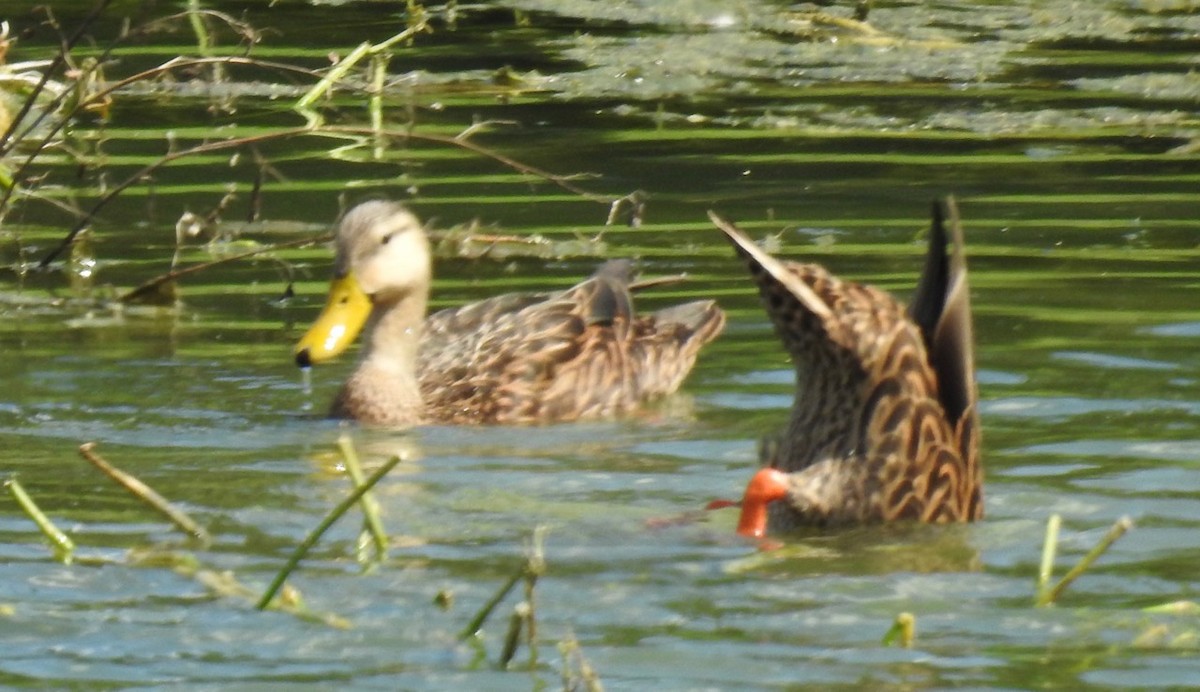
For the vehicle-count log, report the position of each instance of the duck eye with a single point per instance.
(385, 239)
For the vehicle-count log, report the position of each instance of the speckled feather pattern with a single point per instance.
(870, 438)
(530, 358)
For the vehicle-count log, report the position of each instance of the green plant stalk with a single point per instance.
(413, 29)
(146, 494)
(1117, 530)
(62, 544)
(337, 72)
(379, 63)
(512, 639)
(204, 38)
(204, 41)
(315, 535)
(535, 567)
(347, 63)
(903, 631)
(1175, 608)
(1049, 549)
(481, 616)
(370, 507)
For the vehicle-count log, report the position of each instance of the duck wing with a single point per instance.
(580, 353)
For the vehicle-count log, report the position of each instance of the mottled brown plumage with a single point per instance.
(884, 424)
(515, 358)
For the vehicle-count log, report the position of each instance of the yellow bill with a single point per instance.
(345, 313)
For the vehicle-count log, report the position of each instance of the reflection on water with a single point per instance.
(1066, 136)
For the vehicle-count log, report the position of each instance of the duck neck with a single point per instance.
(394, 332)
(385, 388)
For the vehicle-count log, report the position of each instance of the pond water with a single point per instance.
(1069, 136)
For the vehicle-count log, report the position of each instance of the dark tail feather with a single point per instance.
(941, 307)
(929, 300)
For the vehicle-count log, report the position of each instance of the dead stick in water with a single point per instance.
(146, 494)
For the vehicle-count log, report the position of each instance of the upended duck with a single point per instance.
(885, 424)
(515, 358)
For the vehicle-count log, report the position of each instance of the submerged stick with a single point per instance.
(64, 547)
(146, 494)
(225, 585)
(372, 524)
(315, 535)
(1049, 548)
(1117, 530)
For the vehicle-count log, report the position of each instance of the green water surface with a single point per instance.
(1067, 131)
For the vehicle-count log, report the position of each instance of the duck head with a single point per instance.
(382, 260)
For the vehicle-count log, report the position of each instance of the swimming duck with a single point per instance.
(885, 424)
(515, 358)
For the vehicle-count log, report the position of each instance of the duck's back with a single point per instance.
(580, 353)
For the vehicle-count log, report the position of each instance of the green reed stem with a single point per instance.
(535, 567)
(512, 639)
(486, 611)
(315, 535)
(370, 507)
(64, 547)
(1117, 530)
(1049, 550)
(347, 63)
(379, 64)
(903, 631)
(532, 568)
